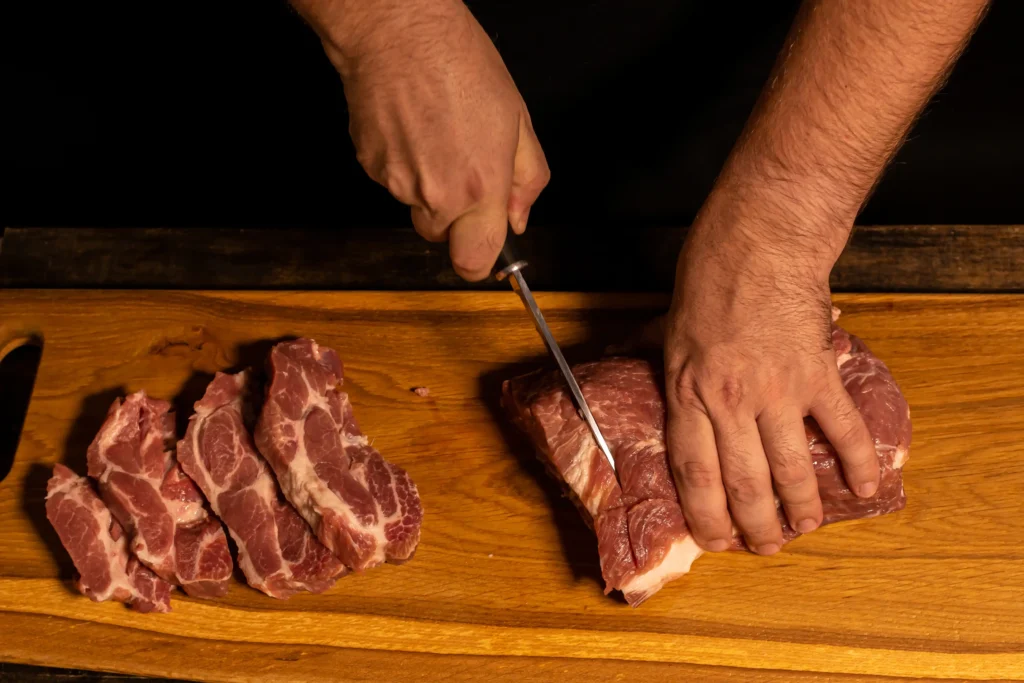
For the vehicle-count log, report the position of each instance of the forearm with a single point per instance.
(850, 82)
(351, 29)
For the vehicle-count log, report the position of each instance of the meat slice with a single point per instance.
(277, 550)
(99, 547)
(365, 509)
(161, 509)
(643, 540)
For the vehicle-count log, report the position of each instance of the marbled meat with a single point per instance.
(365, 509)
(99, 547)
(277, 550)
(160, 508)
(643, 540)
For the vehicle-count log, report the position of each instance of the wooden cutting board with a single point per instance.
(506, 585)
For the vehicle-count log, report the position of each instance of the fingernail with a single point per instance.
(717, 545)
(867, 490)
(768, 549)
(806, 526)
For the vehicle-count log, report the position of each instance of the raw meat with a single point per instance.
(160, 508)
(276, 548)
(366, 510)
(99, 547)
(643, 540)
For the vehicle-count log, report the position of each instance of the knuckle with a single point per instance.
(698, 474)
(397, 180)
(366, 159)
(839, 403)
(762, 532)
(685, 393)
(792, 468)
(727, 394)
(543, 177)
(433, 196)
(704, 522)
(745, 490)
(476, 184)
(855, 433)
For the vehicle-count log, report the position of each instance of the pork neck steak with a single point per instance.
(365, 509)
(277, 550)
(161, 509)
(643, 540)
(99, 548)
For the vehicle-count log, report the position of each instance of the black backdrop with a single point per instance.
(225, 112)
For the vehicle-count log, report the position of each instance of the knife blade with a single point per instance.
(510, 267)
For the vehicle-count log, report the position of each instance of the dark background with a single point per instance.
(226, 113)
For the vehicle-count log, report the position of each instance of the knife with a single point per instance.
(511, 268)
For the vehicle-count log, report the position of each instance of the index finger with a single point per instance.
(840, 421)
(694, 459)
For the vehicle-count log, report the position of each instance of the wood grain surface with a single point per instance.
(506, 585)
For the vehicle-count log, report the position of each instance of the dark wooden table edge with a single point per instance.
(893, 258)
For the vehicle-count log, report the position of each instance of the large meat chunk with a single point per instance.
(160, 508)
(643, 540)
(366, 510)
(99, 547)
(276, 548)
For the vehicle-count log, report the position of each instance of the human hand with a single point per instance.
(437, 120)
(748, 355)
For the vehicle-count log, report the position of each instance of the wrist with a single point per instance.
(773, 224)
(353, 31)
(780, 212)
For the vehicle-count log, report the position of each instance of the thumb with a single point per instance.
(475, 239)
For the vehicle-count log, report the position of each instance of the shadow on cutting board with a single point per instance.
(578, 542)
(252, 357)
(90, 418)
(604, 330)
(33, 502)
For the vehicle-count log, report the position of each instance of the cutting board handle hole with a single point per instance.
(18, 367)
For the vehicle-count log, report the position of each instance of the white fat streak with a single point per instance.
(182, 512)
(902, 454)
(106, 441)
(675, 563)
(310, 494)
(115, 550)
(377, 531)
(263, 486)
(66, 485)
(577, 475)
(266, 490)
(649, 443)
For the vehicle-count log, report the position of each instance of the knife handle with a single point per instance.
(508, 262)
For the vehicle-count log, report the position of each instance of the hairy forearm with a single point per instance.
(351, 29)
(851, 80)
